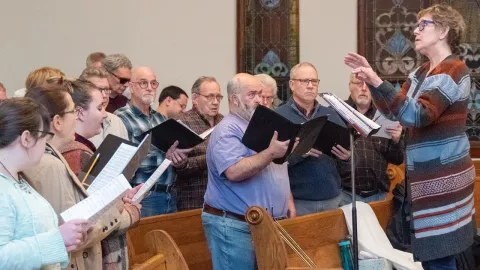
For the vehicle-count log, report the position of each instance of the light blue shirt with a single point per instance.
(29, 235)
(269, 188)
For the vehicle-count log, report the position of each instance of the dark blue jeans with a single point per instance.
(445, 263)
(159, 203)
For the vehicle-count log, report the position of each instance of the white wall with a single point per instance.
(181, 40)
(328, 31)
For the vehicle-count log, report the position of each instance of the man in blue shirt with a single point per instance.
(139, 117)
(314, 177)
(239, 178)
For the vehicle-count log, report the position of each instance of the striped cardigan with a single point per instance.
(439, 168)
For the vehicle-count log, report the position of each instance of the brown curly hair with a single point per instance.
(446, 16)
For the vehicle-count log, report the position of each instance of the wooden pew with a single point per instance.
(162, 252)
(186, 230)
(317, 234)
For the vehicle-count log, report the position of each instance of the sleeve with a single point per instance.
(30, 252)
(228, 151)
(196, 163)
(441, 92)
(396, 152)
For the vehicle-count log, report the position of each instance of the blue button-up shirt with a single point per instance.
(137, 123)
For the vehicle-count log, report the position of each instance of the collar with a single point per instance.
(137, 112)
(79, 138)
(302, 110)
(216, 119)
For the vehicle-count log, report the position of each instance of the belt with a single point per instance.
(217, 212)
(363, 193)
(158, 188)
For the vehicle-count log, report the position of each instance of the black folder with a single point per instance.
(265, 121)
(331, 135)
(106, 150)
(166, 133)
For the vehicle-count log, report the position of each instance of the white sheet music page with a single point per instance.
(114, 167)
(385, 123)
(361, 123)
(99, 202)
(152, 180)
(206, 133)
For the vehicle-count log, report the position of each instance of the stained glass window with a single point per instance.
(385, 38)
(267, 39)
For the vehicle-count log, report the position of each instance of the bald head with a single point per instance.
(140, 72)
(240, 81)
(142, 76)
(244, 95)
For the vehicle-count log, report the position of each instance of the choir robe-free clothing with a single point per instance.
(439, 170)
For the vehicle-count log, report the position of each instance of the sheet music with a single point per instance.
(384, 123)
(206, 133)
(152, 180)
(99, 202)
(359, 121)
(114, 167)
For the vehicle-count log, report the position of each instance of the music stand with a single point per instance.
(357, 122)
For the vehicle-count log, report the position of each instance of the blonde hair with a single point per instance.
(94, 57)
(446, 16)
(40, 76)
(293, 71)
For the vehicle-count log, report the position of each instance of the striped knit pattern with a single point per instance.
(439, 168)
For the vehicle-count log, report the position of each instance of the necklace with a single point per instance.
(10, 173)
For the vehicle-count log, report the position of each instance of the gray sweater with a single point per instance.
(314, 179)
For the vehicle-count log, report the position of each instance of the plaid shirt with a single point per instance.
(372, 155)
(192, 179)
(136, 123)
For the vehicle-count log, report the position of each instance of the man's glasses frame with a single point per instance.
(144, 84)
(121, 80)
(305, 82)
(211, 97)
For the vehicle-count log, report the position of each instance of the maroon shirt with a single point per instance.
(115, 103)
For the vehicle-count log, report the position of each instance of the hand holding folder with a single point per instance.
(166, 133)
(265, 122)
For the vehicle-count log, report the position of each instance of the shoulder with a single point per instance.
(229, 126)
(283, 109)
(123, 111)
(48, 165)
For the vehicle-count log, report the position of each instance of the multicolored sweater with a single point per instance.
(439, 168)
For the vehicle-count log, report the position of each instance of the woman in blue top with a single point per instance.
(30, 237)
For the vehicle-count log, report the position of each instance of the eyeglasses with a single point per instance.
(105, 90)
(47, 134)
(121, 80)
(359, 84)
(212, 96)
(144, 84)
(421, 25)
(267, 98)
(183, 106)
(74, 110)
(305, 82)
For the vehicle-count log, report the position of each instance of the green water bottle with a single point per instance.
(346, 254)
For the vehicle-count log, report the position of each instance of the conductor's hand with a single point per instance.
(341, 152)
(362, 69)
(277, 149)
(179, 157)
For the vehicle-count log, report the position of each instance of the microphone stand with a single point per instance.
(354, 202)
